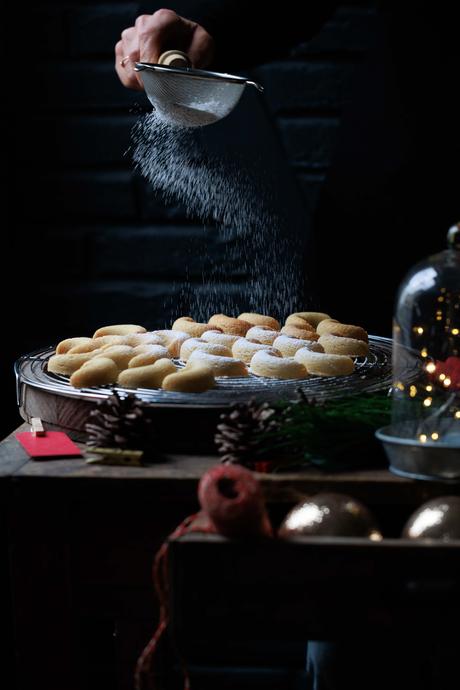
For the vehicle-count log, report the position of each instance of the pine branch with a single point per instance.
(332, 434)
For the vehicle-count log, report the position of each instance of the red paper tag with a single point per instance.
(52, 444)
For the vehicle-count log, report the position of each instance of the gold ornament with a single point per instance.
(435, 519)
(332, 515)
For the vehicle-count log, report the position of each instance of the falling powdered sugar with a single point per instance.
(255, 255)
(189, 115)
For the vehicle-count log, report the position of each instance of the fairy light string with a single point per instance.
(428, 324)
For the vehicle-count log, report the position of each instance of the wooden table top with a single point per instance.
(181, 473)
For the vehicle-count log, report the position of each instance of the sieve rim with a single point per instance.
(196, 74)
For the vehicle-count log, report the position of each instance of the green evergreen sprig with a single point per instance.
(334, 434)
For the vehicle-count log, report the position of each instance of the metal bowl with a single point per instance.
(410, 457)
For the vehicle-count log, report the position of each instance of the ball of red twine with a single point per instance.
(232, 498)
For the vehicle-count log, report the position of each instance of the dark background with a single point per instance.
(367, 168)
(87, 243)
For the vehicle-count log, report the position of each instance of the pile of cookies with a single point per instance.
(309, 343)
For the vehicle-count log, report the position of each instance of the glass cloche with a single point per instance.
(424, 438)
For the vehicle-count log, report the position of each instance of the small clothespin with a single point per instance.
(115, 456)
(36, 427)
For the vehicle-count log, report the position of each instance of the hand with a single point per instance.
(151, 35)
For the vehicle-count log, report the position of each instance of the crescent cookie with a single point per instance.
(261, 334)
(289, 346)
(151, 347)
(149, 376)
(148, 356)
(220, 338)
(119, 329)
(330, 327)
(245, 349)
(227, 324)
(110, 340)
(260, 320)
(173, 340)
(270, 365)
(294, 320)
(194, 379)
(193, 344)
(311, 317)
(85, 347)
(66, 364)
(69, 343)
(99, 371)
(221, 366)
(188, 325)
(338, 345)
(297, 332)
(323, 364)
(135, 339)
(120, 354)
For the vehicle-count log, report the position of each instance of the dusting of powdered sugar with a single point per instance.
(255, 254)
(189, 115)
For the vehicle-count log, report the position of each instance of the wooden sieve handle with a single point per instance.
(174, 58)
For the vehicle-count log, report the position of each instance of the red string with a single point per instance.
(144, 672)
(251, 519)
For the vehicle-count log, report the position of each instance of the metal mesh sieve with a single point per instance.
(372, 373)
(189, 97)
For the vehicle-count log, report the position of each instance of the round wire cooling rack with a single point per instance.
(372, 373)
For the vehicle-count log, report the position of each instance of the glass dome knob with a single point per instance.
(453, 237)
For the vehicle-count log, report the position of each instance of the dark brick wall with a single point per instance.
(307, 93)
(88, 241)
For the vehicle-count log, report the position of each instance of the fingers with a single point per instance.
(163, 30)
(153, 34)
(126, 55)
(201, 48)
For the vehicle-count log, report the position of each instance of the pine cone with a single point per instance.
(239, 436)
(120, 422)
